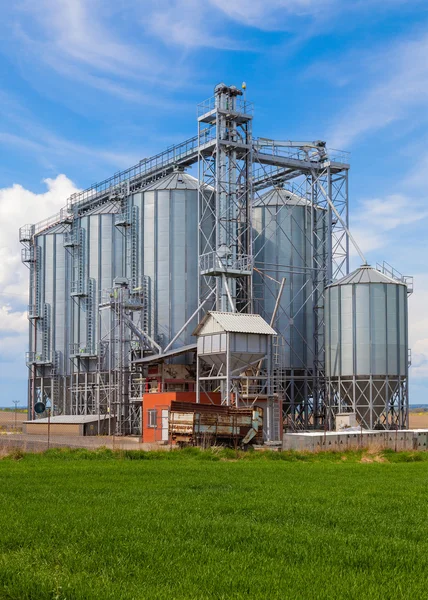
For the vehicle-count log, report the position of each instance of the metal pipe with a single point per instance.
(177, 335)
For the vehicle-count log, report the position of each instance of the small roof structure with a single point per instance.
(165, 355)
(72, 419)
(366, 274)
(234, 323)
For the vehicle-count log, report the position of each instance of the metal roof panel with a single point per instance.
(366, 274)
(238, 323)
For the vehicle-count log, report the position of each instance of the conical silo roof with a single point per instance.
(366, 274)
(175, 181)
(278, 196)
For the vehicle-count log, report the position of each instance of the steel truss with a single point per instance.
(318, 182)
(112, 385)
(386, 405)
(225, 193)
(234, 170)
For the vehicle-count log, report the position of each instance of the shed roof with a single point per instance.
(237, 323)
(71, 419)
(366, 274)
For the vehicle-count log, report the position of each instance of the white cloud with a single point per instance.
(376, 218)
(19, 206)
(12, 321)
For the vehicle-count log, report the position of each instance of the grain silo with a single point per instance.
(285, 246)
(147, 239)
(168, 254)
(121, 276)
(367, 348)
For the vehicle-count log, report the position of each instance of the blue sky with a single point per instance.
(89, 87)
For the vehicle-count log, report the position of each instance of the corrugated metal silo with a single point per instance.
(47, 313)
(168, 258)
(367, 347)
(290, 241)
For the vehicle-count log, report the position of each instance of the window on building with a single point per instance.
(152, 418)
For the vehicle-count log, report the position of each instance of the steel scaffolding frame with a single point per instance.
(225, 194)
(387, 400)
(234, 169)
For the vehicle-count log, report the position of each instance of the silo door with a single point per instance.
(165, 425)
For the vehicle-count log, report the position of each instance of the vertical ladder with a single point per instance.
(34, 309)
(146, 309)
(55, 382)
(277, 421)
(46, 333)
(132, 246)
(90, 317)
(78, 267)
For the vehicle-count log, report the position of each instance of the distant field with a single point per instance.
(8, 419)
(418, 420)
(188, 525)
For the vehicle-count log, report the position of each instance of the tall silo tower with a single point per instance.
(367, 348)
(168, 255)
(47, 314)
(290, 241)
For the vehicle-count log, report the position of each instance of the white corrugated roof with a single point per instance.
(238, 323)
(366, 274)
(70, 419)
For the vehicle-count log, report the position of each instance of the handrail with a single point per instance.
(186, 152)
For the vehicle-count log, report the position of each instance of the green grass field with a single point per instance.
(191, 525)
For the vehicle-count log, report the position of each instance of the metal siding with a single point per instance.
(333, 346)
(178, 262)
(149, 250)
(346, 329)
(362, 331)
(163, 267)
(402, 329)
(59, 312)
(282, 247)
(378, 328)
(393, 349)
(367, 331)
(170, 255)
(191, 250)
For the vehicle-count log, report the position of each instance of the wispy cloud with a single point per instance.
(267, 14)
(189, 24)
(80, 30)
(20, 128)
(398, 84)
